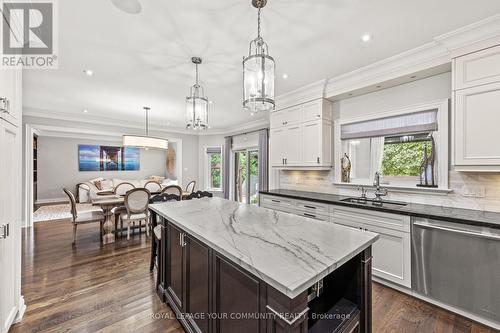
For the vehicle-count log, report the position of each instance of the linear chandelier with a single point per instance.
(145, 141)
(258, 72)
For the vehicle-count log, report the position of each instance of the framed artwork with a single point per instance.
(108, 158)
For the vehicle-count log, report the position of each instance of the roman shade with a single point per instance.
(214, 150)
(423, 121)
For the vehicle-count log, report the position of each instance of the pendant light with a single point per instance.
(197, 103)
(258, 72)
(145, 141)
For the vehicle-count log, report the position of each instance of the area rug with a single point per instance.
(59, 212)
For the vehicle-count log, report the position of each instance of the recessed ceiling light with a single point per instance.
(366, 38)
(285, 76)
(88, 72)
(210, 102)
(85, 111)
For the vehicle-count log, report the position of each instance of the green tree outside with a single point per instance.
(404, 159)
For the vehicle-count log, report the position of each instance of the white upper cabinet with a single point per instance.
(477, 68)
(301, 136)
(476, 115)
(288, 116)
(10, 95)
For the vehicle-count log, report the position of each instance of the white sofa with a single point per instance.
(88, 190)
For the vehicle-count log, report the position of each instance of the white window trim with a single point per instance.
(206, 169)
(441, 138)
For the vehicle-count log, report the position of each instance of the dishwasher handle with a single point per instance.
(463, 232)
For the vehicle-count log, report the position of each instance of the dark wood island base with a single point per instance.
(210, 293)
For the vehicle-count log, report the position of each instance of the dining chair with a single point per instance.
(156, 239)
(153, 186)
(136, 203)
(85, 187)
(83, 217)
(191, 186)
(123, 188)
(173, 189)
(199, 195)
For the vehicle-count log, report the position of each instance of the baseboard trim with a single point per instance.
(21, 311)
(54, 200)
(450, 308)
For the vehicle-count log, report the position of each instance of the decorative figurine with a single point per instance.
(345, 164)
(427, 178)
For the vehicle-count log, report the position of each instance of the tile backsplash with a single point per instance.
(479, 191)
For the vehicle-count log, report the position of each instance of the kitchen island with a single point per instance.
(231, 267)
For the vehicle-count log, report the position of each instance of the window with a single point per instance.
(213, 168)
(408, 147)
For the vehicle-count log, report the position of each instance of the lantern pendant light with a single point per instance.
(197, 103)
(258, 72)
(145, 141)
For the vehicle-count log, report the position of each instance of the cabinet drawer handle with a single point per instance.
(318, 160)
(310, 215)
(5, 105)
(312, 207)
(275, 201)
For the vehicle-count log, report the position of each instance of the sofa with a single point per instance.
(90, 189)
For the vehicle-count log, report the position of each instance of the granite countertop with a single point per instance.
(287, 251)
(450, 214)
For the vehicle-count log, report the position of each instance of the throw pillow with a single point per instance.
(97, 184)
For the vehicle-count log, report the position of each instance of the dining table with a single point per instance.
(107, 203)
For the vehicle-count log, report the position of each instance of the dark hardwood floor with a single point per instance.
(95, 288)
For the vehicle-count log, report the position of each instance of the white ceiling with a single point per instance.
(144, 59)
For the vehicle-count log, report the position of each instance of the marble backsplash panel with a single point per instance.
(486, 185)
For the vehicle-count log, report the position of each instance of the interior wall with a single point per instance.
(58, 165)
(74, 129)
(421, 91)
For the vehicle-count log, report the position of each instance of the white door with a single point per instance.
(311, 143)
(293, 145)
(10, 200)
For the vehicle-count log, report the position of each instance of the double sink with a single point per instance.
(377, 203)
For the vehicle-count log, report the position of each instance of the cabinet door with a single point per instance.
(312, 143)
(277, 146)
(176, 281)
(10, 95)
(312, 110)
(10, 212)
(476, 126)
(392, 255)
(292, 143)
(198, 283)
(477, 68)
(285, 117)
(240, 294)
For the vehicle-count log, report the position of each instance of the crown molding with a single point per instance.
(249, 126)
(436, 54)
(472, 37)
(312, 91)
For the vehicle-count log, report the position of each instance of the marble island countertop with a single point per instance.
(450, 214)
(288, 252)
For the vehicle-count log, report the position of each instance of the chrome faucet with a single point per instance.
(379, 191)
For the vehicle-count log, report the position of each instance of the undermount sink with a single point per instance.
(363, 201)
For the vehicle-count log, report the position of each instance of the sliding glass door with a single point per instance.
(247, 176)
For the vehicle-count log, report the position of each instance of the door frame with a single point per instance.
(247, 190)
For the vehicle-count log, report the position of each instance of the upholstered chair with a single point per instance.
(173, 189)
(83, 217)
(136, 203)
(123, 188)
(153, 186)
(191, 186)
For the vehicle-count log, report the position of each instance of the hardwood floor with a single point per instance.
(95, 288)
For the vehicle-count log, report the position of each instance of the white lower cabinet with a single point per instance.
(392, 251)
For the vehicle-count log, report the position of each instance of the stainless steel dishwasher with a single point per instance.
(458, 265)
